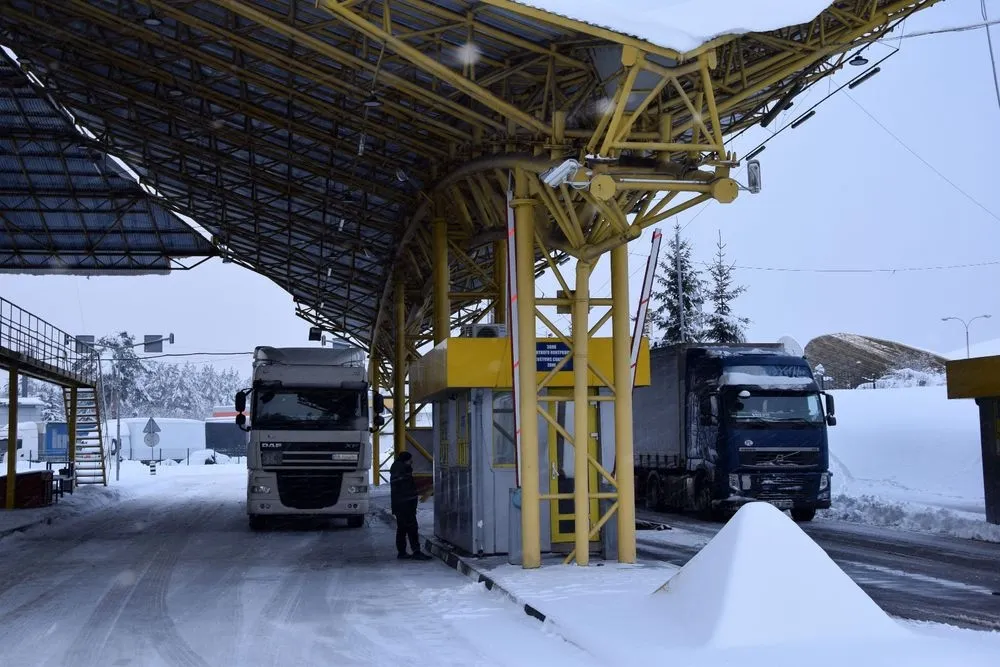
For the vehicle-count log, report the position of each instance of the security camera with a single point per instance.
(560, 174)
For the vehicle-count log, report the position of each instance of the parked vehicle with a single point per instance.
(723, 425)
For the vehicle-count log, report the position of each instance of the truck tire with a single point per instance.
(356, 521)
(804, 514)
(257, 522)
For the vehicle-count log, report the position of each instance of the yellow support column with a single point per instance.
(524, 221)
(621, 365)
(399, 374)
(581, 405)
(500, 278)
(12, 439)
(442, 281)
(376, 432)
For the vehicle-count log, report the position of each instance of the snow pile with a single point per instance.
(909, 458)
(207, 457)
(912, 444)
(908, 377)
(684, 25)
(761, 555)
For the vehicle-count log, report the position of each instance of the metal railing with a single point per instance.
(31, 341)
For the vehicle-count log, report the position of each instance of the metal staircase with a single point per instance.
(90, 466)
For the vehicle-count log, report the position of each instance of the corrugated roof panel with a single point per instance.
(69, 207)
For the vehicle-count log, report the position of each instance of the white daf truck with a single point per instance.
(310, 434)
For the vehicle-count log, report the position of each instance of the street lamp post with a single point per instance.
(966, 325)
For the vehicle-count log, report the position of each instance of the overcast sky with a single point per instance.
(839, 193)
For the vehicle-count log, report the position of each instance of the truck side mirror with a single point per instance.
(831, 420)
(379, 421)
(241, 401)
(378, 404)
(830, 408)
(241, 420)
(707, 409)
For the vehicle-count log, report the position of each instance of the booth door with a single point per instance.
(561, 473)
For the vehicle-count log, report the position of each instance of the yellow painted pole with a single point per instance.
(524, 220)
(581, 423)
(621, 364)
(399, 374)
(500, 278)
(442, 281)
(376, 432)
(12, 438)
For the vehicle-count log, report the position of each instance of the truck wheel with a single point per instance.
(804, 514)
(256, 522)
(356, 521)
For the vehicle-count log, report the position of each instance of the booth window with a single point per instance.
(503, 429)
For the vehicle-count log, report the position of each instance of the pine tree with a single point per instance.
(665, 312)
(721, 326)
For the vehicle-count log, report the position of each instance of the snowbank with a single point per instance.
(986, 348)
(684, 25)
(912, 444)
(909, 458)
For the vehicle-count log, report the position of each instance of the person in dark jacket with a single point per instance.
(404, 505)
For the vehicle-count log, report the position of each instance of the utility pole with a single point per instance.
(680, 281)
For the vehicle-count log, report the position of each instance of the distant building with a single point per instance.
(29, 409)
(853, 360)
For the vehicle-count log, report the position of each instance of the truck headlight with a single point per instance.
(734, 481)
(824, 481)
(361, 488)
(257, 488)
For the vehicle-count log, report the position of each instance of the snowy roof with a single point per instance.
(685, 25)
(23, 402)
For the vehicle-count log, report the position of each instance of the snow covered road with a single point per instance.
(910, 575)
(173, 577)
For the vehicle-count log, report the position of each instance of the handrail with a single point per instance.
(46, 346)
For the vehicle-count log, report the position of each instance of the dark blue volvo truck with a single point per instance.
(723, 425)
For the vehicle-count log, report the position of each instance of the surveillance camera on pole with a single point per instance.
(560, 174)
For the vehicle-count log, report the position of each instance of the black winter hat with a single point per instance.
(404, 456)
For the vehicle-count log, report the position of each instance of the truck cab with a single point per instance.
(309, 449)
(768, 421)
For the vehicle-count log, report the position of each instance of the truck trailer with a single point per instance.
(723, 425)
(309, 449)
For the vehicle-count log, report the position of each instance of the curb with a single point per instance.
(458, 564)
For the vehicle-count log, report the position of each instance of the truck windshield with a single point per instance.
(775, 407)
(318, 409)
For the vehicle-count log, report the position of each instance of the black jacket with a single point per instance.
(403, 486)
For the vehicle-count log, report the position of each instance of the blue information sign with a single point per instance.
(56, 440)
(548, 356)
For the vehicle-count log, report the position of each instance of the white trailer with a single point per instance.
(310, 435)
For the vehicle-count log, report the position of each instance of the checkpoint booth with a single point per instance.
(468, 382)
(979, 379)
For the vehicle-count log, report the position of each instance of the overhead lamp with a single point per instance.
(858, 60)
(152, 21)
(175, 92)
(372, 101)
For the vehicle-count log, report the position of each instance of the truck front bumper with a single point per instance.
(264, 497)
(808, 490)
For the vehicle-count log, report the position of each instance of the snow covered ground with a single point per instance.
(909, 458)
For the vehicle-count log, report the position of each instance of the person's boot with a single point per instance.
(420, 555)
(402, 555)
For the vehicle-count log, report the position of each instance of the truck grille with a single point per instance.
(309, 490)
(333, 455)
(774, 457)
(791, 487)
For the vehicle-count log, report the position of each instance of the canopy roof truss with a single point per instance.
(317, 139)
